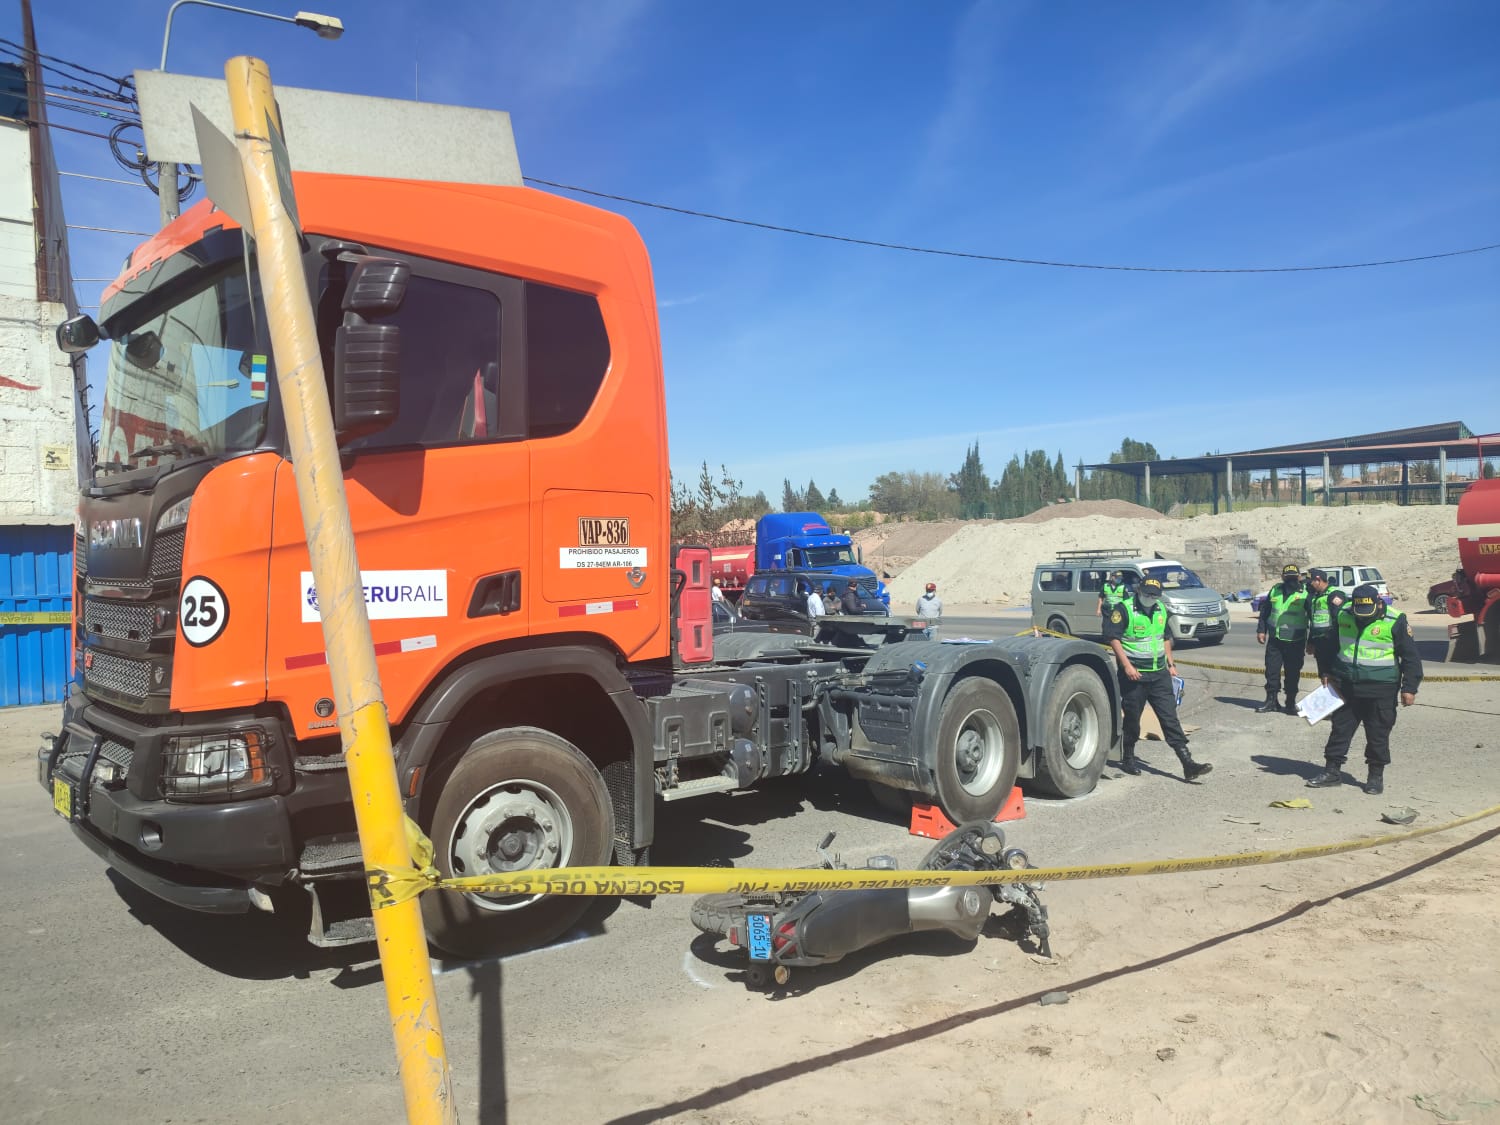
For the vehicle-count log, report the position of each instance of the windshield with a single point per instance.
(1173, 577)
(819, 557)
(190, 380)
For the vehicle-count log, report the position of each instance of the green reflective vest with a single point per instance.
(1288, 614)
(1113, 593)
(1368, 655)
(1319, 615)
(1145, 635)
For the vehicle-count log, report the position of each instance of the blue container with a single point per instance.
(36, 577)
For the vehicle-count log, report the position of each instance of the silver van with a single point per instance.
(1065, 595)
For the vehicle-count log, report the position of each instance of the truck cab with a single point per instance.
(804, 541)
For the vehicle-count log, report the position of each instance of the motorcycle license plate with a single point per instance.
(62, 798)
(758, 929)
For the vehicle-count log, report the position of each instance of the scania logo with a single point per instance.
(115, 534)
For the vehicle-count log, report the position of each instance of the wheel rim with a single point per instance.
(513, 826)
(1441, 605)
(979, 752)
(1079, 730)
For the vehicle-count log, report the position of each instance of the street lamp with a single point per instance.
(327, 27)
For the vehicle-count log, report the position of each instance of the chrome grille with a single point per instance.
(1200, 611)
(166, 554)
(80, 556)
(121, 621)
(118, 674)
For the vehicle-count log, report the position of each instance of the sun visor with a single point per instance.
(348, 134)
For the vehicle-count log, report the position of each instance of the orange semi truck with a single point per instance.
(546, 651)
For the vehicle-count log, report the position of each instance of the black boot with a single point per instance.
(1328, 778)
(1128, 764)
(1375, 786)
(1192, 770)
(1291, 703)
(1270, 706)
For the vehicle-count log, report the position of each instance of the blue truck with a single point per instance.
(804, 541)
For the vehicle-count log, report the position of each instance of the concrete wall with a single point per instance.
(39, 427)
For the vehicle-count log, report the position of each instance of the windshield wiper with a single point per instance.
(180, 448)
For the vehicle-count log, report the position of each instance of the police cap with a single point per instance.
(1150, 586)
(1317, 572)
(1290, 570)
(1365, 601)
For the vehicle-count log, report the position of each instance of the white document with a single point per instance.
(1320, 704)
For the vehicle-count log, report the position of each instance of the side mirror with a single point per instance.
(77, 334)
(367, 357)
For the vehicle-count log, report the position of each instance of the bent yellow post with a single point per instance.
(420, 1052)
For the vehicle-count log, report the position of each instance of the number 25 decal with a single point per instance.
(203, 611)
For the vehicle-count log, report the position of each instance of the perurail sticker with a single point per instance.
(600, 558)
(389, 594)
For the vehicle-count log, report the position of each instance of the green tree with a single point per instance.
(813, 497)
(791, 499)
(834, 503)
(972, 487)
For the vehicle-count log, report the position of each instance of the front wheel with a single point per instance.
(518, 799)
(1440, 603)
(1075, 739)
(978, 750)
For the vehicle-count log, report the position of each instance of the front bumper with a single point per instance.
(204, 857)
(1196, 628)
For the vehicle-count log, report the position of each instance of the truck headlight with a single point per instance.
(175, 516)
(208, 767)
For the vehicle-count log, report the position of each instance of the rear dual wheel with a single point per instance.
(978, 751)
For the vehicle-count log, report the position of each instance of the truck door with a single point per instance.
(439, 501)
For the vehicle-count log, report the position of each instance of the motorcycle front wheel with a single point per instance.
(718, 914)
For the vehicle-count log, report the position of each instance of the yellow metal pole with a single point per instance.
(420, 1054)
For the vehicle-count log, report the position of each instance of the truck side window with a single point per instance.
(567, 354)
(450, 366)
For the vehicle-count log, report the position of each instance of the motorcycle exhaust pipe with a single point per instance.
(846, 921)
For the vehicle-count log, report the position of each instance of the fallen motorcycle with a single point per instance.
(780, 930)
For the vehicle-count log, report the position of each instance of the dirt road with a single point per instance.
(1354, 988)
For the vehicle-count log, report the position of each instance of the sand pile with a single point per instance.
(1118, 509)
(992, 563)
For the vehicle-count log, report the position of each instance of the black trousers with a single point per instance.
(1284, 661)
(1323, 652)
(1154, 688)
(1378, 716)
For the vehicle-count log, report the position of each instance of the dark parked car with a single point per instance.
(726, 620)
(1437, 596)
(781, 595)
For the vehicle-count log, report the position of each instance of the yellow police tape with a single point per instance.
(41, 617)
(391, 886)
(1255, 670)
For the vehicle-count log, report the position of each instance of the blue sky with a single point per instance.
(1230, 134)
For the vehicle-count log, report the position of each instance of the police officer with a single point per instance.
(1136, 630)
(1283, 630)
(1113, 591)
(1376, 662)
(1323, 602)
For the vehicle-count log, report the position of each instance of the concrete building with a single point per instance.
(44, 440)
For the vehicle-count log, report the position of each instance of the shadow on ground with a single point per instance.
(715, 1096)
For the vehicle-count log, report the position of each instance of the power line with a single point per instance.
(111, 230)
(122, 84)
(101, 179)
(974, 256)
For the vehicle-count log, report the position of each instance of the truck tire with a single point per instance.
(1075, 737)
(978, 750)
(518, 799)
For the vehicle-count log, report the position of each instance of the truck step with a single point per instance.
(699, 786)
(330, 855)
(340, 915)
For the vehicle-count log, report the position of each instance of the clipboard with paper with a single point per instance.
(1320, 704)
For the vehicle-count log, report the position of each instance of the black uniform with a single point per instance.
(850, 602)
(1283, 658)
(1156, 689)
(1373, 704)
